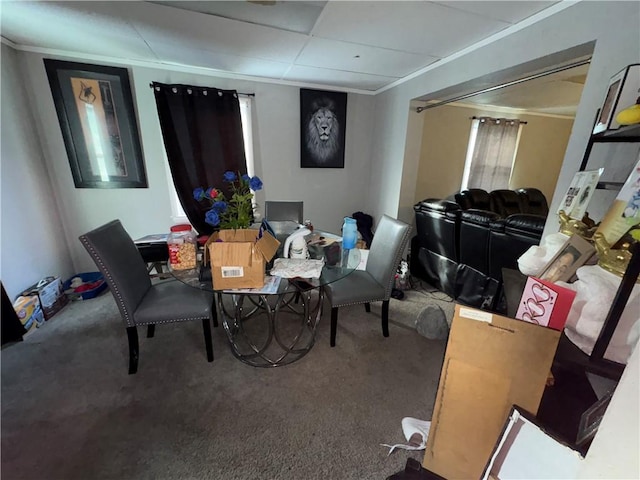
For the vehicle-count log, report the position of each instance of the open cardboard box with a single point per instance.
(238, 257)
(491, 363)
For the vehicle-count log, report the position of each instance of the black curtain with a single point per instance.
(202, 133)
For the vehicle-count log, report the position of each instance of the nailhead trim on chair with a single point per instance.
(360, 303)
(116, 293)
(172, 321)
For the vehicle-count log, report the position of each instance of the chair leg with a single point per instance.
(214, 313)
(367, 307)
(151, 330)
(206, 327)
(385, 318)
(334, 326)
(132, 335)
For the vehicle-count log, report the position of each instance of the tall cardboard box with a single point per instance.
(238, 257)
(491, 363)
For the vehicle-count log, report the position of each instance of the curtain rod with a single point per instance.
(503, 85)
(478, 118)
(239, 93)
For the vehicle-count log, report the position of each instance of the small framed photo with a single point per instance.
(622, 92)
(98, 122)
(562, 267)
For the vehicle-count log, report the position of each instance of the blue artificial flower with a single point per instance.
(212, 218)
(230, 176)
(219, 207)
(208, 192)
(198, 193)
(246, 178)
(255, 184)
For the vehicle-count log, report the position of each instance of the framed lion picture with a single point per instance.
(323, 117)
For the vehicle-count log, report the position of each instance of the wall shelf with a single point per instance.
(626, 134)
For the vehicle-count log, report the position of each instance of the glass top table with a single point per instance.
(276, 325)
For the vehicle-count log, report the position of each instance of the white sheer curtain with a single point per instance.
(492, 149)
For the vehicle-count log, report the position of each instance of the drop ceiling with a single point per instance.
(359, 46)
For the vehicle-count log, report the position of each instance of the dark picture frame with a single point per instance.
(622, 92)
(98, 122)
(323, 119)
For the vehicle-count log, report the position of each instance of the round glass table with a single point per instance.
(276, 325)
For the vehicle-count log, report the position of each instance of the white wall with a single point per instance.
(328, 194)
(32, 242)
(613, 25)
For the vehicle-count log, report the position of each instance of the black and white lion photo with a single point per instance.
(322, 117)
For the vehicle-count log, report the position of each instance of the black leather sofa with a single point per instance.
(463, 243)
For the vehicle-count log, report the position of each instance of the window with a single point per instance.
(177, 213)
(493, 143)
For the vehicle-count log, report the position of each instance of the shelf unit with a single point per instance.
(626, 134)
(569, 353)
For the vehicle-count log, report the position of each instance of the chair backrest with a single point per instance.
(118, 259)
(473, 198)
(534, 201)
(506, 202)
(388, 244)
(282, 211)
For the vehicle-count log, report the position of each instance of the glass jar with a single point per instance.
(182, 247)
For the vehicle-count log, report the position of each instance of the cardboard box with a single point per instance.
(51, 295)
(29, 311)
(491, 363)
(238, 257)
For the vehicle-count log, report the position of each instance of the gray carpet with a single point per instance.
(71, 411)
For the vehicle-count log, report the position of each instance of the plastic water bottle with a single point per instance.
(349, 233)
(349, 238)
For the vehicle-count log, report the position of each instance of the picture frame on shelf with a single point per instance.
(96, 114)
(622, 92)
(575, 252)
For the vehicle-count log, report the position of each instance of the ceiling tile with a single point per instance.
(168, 52)
(158, 23)
(83, 27)
(292, 16)
(353, 57)
(336, 78)
(417, 27)
(508, 11)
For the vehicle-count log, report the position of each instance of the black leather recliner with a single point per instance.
(474, 285)
(473, 198)
(534, 201)
(506, 202)
(461, 247)
(434, 250)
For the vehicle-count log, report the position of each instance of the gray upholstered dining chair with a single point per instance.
(376, 282)
(140, 302)
(283, 211)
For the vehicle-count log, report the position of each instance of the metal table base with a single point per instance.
(271, 330)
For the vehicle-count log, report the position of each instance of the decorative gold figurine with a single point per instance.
(612, 260)
(569, 226)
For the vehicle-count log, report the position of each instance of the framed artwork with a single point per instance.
(572, 255)
(98, 123)
(622, 92)
(579, 194)
(323, 118)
